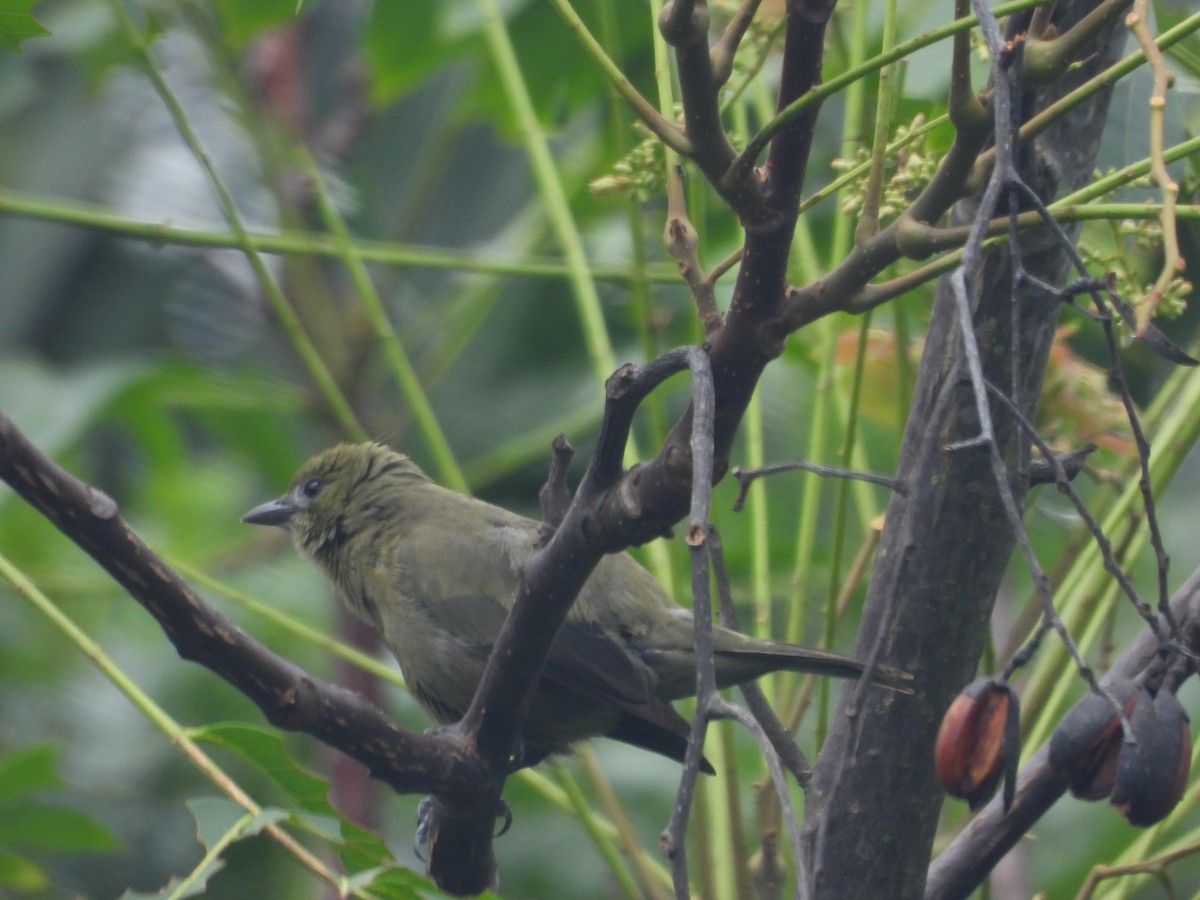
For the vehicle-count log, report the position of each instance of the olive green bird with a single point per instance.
(434, 572)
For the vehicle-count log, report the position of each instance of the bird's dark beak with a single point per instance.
(273, 512)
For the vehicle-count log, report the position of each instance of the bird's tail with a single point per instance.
(740, 658)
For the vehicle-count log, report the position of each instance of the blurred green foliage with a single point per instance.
(157, 373)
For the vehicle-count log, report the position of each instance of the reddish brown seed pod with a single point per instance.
(1152, 770)
(1086, 745)
(977, 742)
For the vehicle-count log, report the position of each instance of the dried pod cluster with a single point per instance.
(1143, 777)
(977, 744)
(1087, 742)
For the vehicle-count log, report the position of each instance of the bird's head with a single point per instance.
(337, 493)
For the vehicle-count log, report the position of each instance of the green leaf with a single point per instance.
(33, 824)
(219, 823)
(1186, 53)
(264, 749)
(244, 20)
(363, 853)
(17, 24)
(28, 770)
(54, 406)
(193, 885)
(29, 823)
(402, 44)
(361, 849)
(215, 818)
(358, 848)
(404, 884)
(22, 875)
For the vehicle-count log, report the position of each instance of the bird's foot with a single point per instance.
(421, 838)
(425, 820)
(503, 811)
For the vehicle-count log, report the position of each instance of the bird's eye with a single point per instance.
(312, 487)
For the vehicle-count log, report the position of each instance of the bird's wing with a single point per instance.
(587, 663)
(470, 598)
(590, 663)
(582, 659)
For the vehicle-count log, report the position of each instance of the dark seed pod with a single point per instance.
(1087, 742)
(1152, 771)
(977, 743)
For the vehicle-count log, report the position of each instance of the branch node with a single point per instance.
(555, 496)
(101, 505)
(683, 23)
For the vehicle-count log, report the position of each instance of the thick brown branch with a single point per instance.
(684, 25)
(656, 493)
(847, 286)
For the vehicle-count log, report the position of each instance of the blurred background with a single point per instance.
(454, 274)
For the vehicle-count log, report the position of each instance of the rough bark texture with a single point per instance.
(873, 808)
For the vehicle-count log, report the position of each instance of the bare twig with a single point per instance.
(1005, 179)
(777, 733)
(725, 49)
(1172, 261)
(709, 703)
(746, 477)
(1053, 468)
(681, 241)
(1103, 296)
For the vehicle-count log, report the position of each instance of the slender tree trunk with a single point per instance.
(873, 808)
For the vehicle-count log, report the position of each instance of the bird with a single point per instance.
(434, 571)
